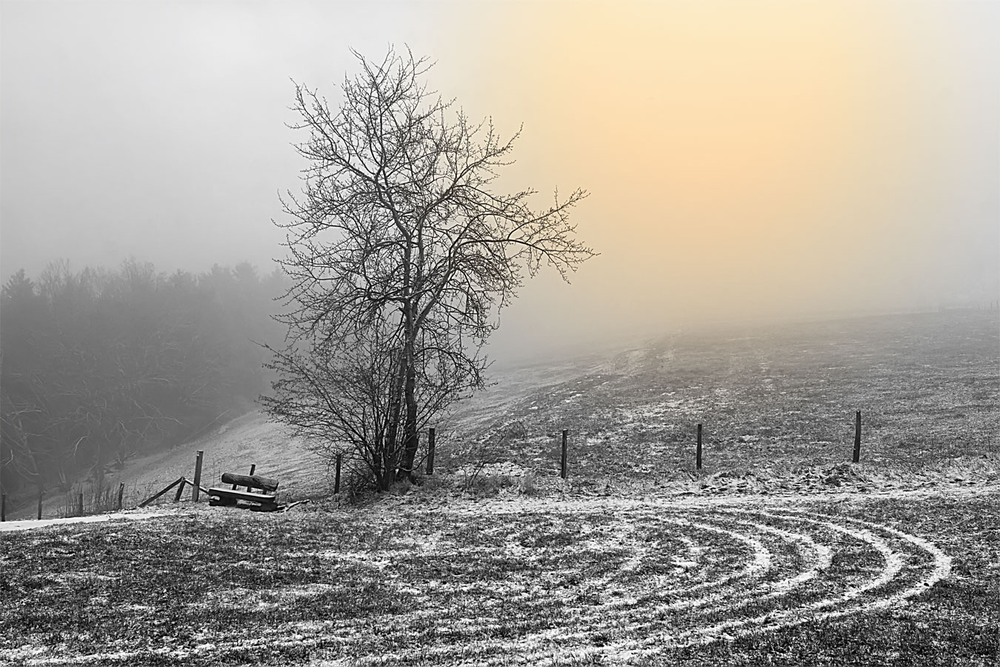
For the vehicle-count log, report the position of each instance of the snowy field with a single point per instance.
(779, 551)
(426, 578)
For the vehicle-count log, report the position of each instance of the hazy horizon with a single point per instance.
(745, 161)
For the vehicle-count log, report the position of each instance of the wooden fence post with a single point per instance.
(180, 490)
(697, 456)
(121, 493)
(564, 468)
(40, 494)
(430, 451)
(336, 476)
(145, 502)
(857, 436)
(197, 475)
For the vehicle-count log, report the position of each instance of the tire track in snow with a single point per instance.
(893, 548)
(829, 591)
(745, 571)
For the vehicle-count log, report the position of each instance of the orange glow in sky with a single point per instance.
(745, 159)
(761, 159)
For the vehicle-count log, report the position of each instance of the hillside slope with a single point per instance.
(774, 403)
(232, 447)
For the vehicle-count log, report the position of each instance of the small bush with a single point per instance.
(355, 486)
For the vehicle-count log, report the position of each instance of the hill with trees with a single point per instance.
(102, 365)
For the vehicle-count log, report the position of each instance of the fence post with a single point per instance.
(180, 490)
(564, 468)
(40, 494)
(168, 487)
(197, 475)
(430, 451)
(857, 436)
(121, 493)
(336, 476)
(79, 504)
(697, 456)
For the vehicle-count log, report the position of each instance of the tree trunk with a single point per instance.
(390, 448)
(384, 470)
(388, 475)
(410, 446)
(410, 435)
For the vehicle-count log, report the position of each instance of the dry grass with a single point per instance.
(426, 578)
(778, 551)
(775, 404)
(772, 401)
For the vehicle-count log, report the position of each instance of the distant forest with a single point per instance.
(99, 366)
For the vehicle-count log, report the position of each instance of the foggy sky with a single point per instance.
(745, 160)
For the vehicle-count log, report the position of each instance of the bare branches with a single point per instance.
(400, 249)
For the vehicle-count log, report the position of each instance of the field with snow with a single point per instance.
(773, 402)
(778, 552)
(425, 578)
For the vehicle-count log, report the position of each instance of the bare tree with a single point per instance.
(336, 396)
(401, 251)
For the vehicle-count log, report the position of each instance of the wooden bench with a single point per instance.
(264, 500)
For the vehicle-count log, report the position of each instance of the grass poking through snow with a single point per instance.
(586, 581)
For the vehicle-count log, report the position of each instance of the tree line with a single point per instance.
(99, 365)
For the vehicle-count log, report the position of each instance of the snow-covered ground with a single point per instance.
(28, 524)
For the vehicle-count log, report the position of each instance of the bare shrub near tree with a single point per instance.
(341, 390)
(401, 255)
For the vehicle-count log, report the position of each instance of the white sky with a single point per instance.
(156, 130)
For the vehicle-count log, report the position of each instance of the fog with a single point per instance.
(747, 161)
